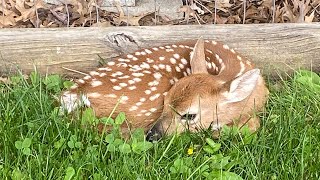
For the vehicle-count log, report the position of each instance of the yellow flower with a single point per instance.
(190, 151)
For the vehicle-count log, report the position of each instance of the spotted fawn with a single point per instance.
(192, 84)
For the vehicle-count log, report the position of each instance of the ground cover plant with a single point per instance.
(38, 143)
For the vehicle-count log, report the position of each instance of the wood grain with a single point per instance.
(275, 48)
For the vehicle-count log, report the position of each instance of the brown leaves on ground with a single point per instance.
(259, 11)
(69, 13)
(75, 13)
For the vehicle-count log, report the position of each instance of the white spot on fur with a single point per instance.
(175, 79)
(209, 51)
(81, 81)
(113, 80)
(177, 56)
(161, 58)
(161, 47)
(131, 81)
(214, 42)
(167, 46)
(111, 63)
(143, 111)
(181, 66)
(137, 79)
(173, 61)
(75, 86)
(102, 74)
(213, 65)
(153, 83)
(130, 56)
(94, 73)
(156, 49)
(123, 84)
(189, 71)
(118, 73)
(148, 114)
(184, 61)
(137, 53)
(156, 67)
(148, 51)
(171, 81)
(169, 50)
(223, 66)
(135, 58)
(139, 103)
(185, 73)
(208, 65)
(154, 97)
(178, 69)
(232, 50)
(117, 88)
(174, 46)
(132, 87)
(225, 46)
(147, 91)
(105, 69)
(146, 72)
(137, 74)
(123, 60)
(87, 77)
(150, 60)
(153, 110)
(143, 53)
(239, 58)
(168, 68)
(165, 93)
(142, 99)
(181, 46)
(157, 75)
(96, 83)
(124, 77)
(111, 95)
(133, 108)
(145, 65)
(153, 88)
(125, 98)
(162, 66)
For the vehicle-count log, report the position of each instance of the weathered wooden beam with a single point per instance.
(275, 48)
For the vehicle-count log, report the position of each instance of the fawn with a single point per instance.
(195, 83)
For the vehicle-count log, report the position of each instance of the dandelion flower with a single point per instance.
(190, 151)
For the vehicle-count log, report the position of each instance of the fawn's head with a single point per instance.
(202, 100)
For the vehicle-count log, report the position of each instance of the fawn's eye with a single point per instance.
(190, 118)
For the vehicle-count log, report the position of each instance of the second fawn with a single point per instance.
(200, 83)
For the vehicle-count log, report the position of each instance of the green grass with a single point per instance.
(37, 143)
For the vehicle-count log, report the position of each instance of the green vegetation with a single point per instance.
(37, 143)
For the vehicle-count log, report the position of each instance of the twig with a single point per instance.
(244, 11)
(215, 12)
(197, 2)
(273, 10)
(68, 18)
(155, 12)
(75, 71)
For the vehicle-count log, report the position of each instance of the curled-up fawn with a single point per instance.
(189, 84)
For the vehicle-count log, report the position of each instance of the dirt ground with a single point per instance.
(86, 13)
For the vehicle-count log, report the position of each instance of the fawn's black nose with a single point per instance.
(155, 133)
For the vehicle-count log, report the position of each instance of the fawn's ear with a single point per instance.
(243, 86)
(197, 58)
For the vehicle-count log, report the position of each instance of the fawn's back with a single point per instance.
(138, 83)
